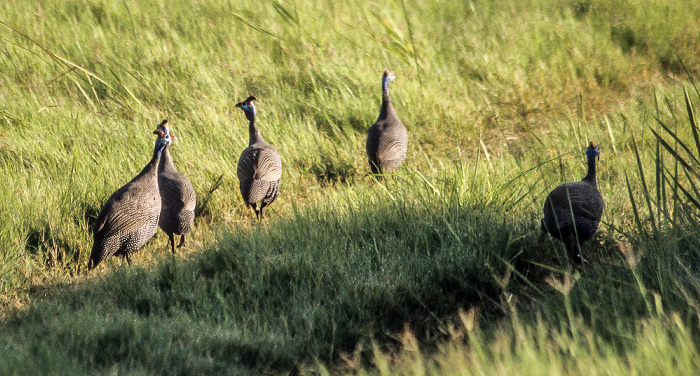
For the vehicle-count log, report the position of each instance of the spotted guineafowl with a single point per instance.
(129, 218)
(387, 139)
(177, 197)
(259, 166)
(572, 211)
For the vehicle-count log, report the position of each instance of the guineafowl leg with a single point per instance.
(255, 209)
(574, 250)
(182, 241)
(262, 213)
(171, 241)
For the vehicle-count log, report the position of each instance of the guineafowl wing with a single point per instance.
(269, 167)
(247, 163)
(176, 190)
(372, 144)
(261, 163)
(393, 143)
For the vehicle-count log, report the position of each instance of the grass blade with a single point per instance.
(691, 117)
(675, 155)
(645, 189)
(637, 221)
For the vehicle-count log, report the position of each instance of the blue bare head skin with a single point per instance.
(387, 77)
(591, 153)
(248, 107)
(162, 127)
(164, 139)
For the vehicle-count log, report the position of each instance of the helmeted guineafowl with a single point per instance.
(177, 197)
(129, 218)
(572, 211)
(259, 166)
(387, 139)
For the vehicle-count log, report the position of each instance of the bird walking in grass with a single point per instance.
(129, 218)
(572, 211)
(387, 140)
(259, 166)
(177, 196)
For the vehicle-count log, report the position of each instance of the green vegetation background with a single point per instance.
(440, 269)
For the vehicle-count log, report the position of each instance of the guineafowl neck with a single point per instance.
(151, 169)
(387, 109)
(253, 132)
(590, 176)
(166, 162)
(152, 166)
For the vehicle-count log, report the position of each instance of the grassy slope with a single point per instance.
(497, 89)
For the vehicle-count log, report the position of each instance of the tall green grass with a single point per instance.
(83, 81)
(500, 100)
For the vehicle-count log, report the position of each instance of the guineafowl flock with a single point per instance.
(161, 196)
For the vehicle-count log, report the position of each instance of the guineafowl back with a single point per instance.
(259, 171)
(387, 143)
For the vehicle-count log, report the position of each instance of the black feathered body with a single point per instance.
(573, 209)
(387, 140)
(178, 200)
(129, 218)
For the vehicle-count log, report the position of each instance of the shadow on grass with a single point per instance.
(319, 286)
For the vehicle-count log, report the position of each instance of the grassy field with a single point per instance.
(439, 269)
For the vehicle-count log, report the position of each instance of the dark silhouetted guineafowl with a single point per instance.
(259, 166)
(387, 139)
(177, 197)
(129, 218)
(572, 211)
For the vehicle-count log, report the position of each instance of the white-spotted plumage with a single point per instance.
(130, 216)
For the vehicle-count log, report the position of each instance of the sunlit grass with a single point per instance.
(500, 101)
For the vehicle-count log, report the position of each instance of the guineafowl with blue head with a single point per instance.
(129, 218)
(387, 140)
(572, 211)
(259, 166)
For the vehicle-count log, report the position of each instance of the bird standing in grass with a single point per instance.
(177, 196)
(387, 139)
(572, 211)
(259, 166)
(129, 218)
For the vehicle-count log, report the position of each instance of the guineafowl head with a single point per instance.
(162, 127)
(165, 130)
(248, 107)
(164, 139)
(389, 75)
(386, 78)
(592, 153)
